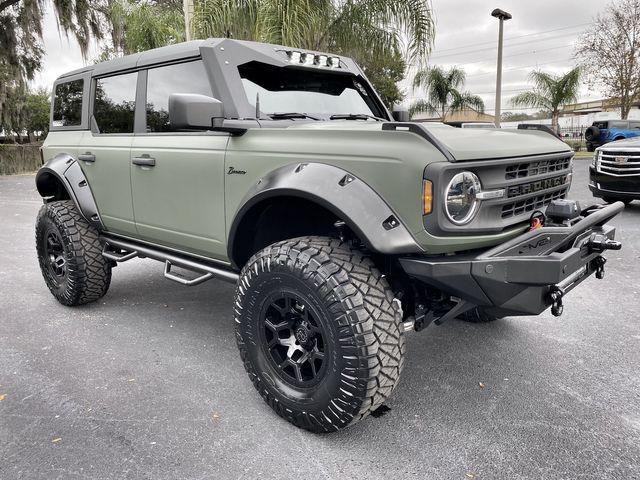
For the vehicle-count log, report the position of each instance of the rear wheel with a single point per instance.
(70, 255)
(318, 331)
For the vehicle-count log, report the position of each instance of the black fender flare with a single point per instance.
(64, 170)
(342, 193)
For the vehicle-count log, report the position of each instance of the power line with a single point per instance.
(535, 65)
(514, 37)
(519, 54)
(437, 56)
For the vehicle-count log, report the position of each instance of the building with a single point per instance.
(467, 115)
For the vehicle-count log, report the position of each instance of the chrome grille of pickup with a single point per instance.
(540, 167)
(619, 163)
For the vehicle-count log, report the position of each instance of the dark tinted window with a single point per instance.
(162, 81)
(67, 104)
(115, 103)
(319, 92)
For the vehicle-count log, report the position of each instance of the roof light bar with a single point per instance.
(309, 59)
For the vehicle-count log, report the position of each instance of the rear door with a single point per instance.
(104, 152)
(177, 178)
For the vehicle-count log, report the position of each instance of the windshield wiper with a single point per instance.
(355, 116)
(291, 115)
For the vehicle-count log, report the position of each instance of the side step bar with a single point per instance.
(206, 270)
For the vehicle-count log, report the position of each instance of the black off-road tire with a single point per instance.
(478, 315)
(355, 308)
(86, 273)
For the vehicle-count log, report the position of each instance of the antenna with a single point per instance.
(257, 105)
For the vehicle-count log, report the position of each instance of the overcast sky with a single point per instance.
(540, 35)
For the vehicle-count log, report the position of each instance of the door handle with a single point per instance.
(87, 157)
(144, 161)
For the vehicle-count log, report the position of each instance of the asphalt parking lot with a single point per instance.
(147, 383)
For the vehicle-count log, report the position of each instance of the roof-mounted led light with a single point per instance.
(294, 57)
(322, 60)
(308, 59)
(334, 62)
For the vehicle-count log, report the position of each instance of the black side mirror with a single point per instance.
(191, 111)
(400, 114)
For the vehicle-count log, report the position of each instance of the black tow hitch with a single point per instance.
(555, 296)
(599, 264)
(599, 243)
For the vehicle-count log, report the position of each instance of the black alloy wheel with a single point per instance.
(54, 254)
(294, 339)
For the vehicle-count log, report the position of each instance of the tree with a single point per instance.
(443, 92)
(520, 116)
(371, 31)
(550, 92)
(136, 26)
(37, 107)
(21, 44)
(610, 52)
(385, 74)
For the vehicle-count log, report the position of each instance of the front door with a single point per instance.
(177, 178)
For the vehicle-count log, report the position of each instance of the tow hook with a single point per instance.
(600, 243)
(555, 295)
(599, 264)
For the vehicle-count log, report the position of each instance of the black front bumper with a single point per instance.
(626, 187)
(521, 276)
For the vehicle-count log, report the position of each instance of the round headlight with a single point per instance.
(461, 201)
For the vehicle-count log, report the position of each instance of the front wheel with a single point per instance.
(318, 331)
(70, 255)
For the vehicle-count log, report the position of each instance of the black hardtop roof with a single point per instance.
(174, 52)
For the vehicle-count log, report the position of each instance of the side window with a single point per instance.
(162, 81)
(635, 125)
(114, 103)
(67, 104)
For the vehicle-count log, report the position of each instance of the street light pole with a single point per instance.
(501, 15)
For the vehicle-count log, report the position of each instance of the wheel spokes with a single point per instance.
(294, 339)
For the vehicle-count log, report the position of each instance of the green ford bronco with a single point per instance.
(342, 224)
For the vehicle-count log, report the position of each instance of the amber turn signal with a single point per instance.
(427, 196)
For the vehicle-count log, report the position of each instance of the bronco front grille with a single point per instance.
(619, 163)
(540, 167)
(516, 187)
(532, 204)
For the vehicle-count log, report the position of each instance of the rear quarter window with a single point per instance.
(67, 104)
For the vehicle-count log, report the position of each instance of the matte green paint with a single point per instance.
(180, 201)
(189, 201)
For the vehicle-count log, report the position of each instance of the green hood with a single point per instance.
(466, 144)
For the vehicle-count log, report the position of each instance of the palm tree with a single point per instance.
(550, 92)
(371, 31)
(443, 92)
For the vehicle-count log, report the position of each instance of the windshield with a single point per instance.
(320, 93)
